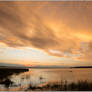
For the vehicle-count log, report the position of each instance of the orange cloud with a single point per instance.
(47, 26)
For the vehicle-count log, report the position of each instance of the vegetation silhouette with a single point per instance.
(5, 73)
(7, 82)
(64, 86)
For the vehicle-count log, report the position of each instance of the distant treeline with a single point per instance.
(82, 67)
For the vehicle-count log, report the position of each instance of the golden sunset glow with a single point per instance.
(46, 33)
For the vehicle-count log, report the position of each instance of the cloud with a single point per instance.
(16, 27)
(47, 27)
(87, 53)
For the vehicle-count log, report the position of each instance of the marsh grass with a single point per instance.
(64, 86)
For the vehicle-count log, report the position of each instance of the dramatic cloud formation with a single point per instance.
(62, 29)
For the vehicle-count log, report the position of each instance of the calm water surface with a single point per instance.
(37, 77)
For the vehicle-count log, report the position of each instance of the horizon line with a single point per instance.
(46, 0)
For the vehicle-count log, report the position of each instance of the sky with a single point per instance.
(46, 33)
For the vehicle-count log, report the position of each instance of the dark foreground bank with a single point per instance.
(6, 72)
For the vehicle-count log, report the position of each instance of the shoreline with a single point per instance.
(6, 72)
(58, 67)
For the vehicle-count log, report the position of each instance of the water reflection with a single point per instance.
(6, 75)
(35, 78)
(7, 82)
